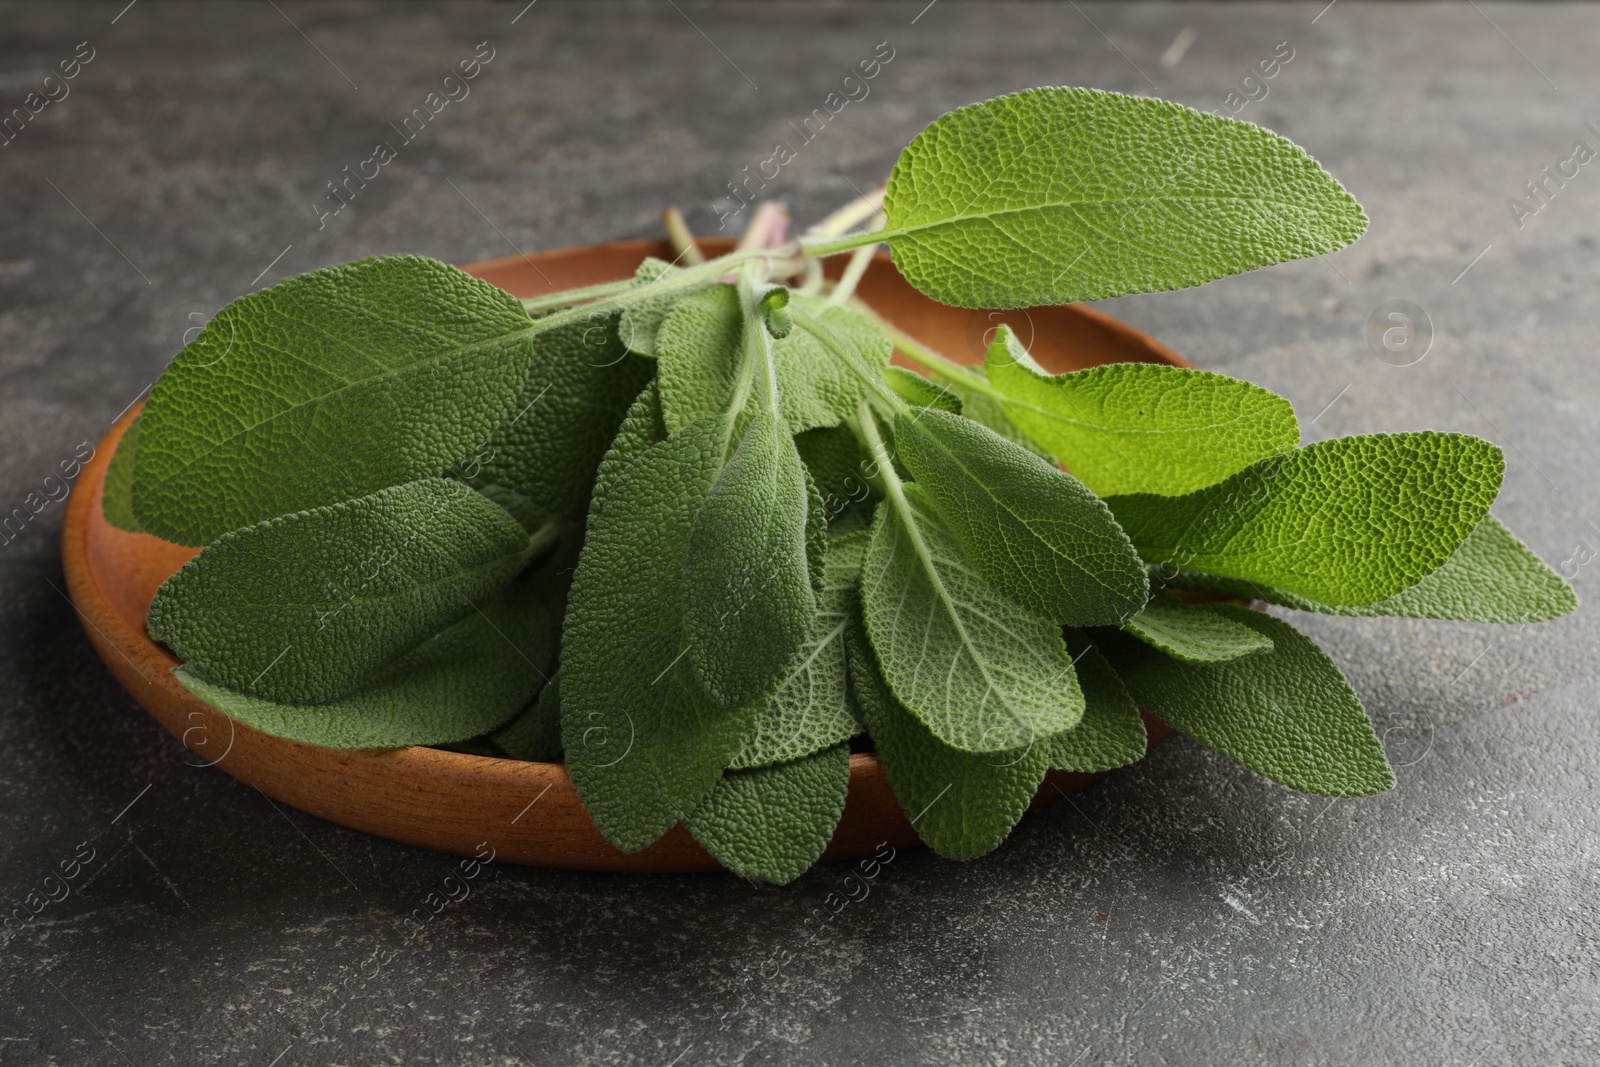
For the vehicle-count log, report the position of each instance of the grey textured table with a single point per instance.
(1183, 911)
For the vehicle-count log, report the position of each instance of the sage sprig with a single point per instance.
(764, 546)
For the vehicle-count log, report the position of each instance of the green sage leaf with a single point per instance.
(1048, 196)
(535, 732)
(772, 823)
(1111, 733)
(337, 382)
(643, 744)
(1288, 713)
(922, 392)
(641, 321)
(962, 804)
(1194, 633)
(304, 608)
(980, 670)
(116, 496)
(579, 386)
(1141, 427)
(1347, 521)
(463, 682)
(810, 708)
(1491, 577)
(1032, 530)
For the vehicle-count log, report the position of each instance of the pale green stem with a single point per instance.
(629, 293)
(860, 260)
(856, 211)
(814, 278)
(574, 296)
(680, 237)
(757, 345)
(866, 427)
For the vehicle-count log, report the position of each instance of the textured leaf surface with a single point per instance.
(1288, 713)
(535, 732)
(962, 804)
(746, 587)
(978, 405)
(810, 708)
(1346, 521)
(1111, 733)
(772, 823)
(306, 607)
(922, 392)
(981, 671)
(643, 744)
(641, 321)
(641, 427)
(1194, 633)
(456, 685)
(1141, 427)
(579, 386)
(116, 495)
(337, 382)
(1053, 195)
(1032, 530)
(701, 344)
(1492, 577)
(833, 458)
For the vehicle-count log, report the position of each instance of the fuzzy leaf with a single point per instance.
(1288, 713)
(1347, 521)
(643, 744)
(338, 382)
(982, 408)
(1194, 633)
(1491, 577)
(304, 608)
(746, 587)
(535, 733)
(772, 823)
(641, 427)
(1141, 427)
(981, 671)
(701, 345)
(1033, 531)
(1111, 733)
(833, 458)
(962, 804)
(456, 685)
(577, 391)
(116, 495)
(1053, 195)
(922, 392)
(641, 321)
(810, 707)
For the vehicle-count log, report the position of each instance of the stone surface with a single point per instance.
(1183, 911)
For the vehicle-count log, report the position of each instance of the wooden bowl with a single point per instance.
(526, 812)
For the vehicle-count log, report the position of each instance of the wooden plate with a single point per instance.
(526, 812)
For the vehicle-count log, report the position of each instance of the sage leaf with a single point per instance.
(643, 744)
(1194, 633)
(1111, 733)
(304, 608)
(922, 392)
(1141, 427)
(641, 321)
(962, 804)
(1347, 521)
(1053, 195)
(980, 670)
(1288, 713)
(1491, 577)
(116, 495)
(746, 587)
(535, 733)
(641, 427)
(833, 458)
(810, 707)
(339, 382)
(1033, 531)
(701, 347)
(983, 407)
(580, 383)
(772, 823)
(461, 683)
